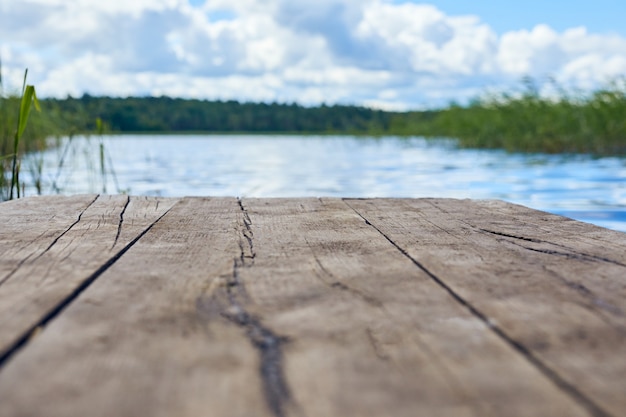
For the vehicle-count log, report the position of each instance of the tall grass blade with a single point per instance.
(29, 98)
(103, 168)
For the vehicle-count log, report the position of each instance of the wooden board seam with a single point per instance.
(567, 387)
(54, 242)
(22, 341)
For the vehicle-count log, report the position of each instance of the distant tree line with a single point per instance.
(593, 123)
(164, 114)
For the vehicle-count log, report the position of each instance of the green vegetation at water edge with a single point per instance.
(527, 122)
(20, 131)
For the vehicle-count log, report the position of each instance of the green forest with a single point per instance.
(165, 114)
(592, 123)
(525, 121)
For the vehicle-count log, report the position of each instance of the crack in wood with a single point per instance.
(572, 254)
(23, 340)
(580, 288)
(264, 340)
(121, 222)
(564, 385)
(527, 239)
(247, 232)
(224, 301)
(54, 242)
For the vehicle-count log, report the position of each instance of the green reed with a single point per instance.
(29, 98)
(14, 111)
(23, 132)
(592, 123)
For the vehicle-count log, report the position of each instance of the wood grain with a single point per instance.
(31, 225)
(370, 334)
(94, 230)
(149, 337)
(129, 306)
(557, 298)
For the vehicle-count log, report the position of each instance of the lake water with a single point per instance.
(581, 187)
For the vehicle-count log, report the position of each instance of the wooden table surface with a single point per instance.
(135, 306)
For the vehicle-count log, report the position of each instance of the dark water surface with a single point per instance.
(581, 187)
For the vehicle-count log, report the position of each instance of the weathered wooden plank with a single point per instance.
(298, 307)
(598, 255)
(541, 227)
(28, 226)
(364, 332)
(43, 280)
(152, 335)
(553, 294)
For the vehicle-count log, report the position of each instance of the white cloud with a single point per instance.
(354, 51)
(586, 70)
(573, 57)
(427, 41)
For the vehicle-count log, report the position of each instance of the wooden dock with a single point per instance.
(134, 306)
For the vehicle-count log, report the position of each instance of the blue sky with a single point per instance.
(600, 16)
(381, 53)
